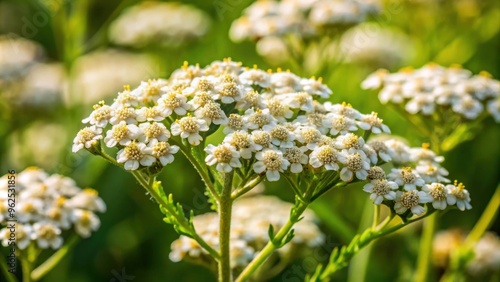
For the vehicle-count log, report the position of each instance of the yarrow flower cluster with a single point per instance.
(249, 231)
(273, 125)
(418, 179)
(436, 89)
(169, 24)
(305, 18)
(46, 205)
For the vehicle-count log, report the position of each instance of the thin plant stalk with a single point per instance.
(225, 206)
(51, 262)
(271, 246)
(11, 277)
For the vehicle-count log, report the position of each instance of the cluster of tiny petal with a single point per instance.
(416, 180)
(273, 124)
(436, 89)
(46, 205)
(170, 24)
(305, 18)
(251, 218)
(272, 117)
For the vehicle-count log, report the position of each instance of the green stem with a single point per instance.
(430, 226)
(342, 257)
(202, 172)
(271, 246)
(376, 216)
(241, 191)
(11, 277)
(182, 221)
(486, 219)
(331, 218)
(26, 266)
(225, 205)
(425, 251)
(51, 262)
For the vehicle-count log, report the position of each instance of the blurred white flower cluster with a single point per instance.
(170, 24)
(486, 259)
(17, 55)
(101, 74)
(370, 44)
(272, 125)
(45, 206)
(25, 79)
(305, 18)
(436, 90)
(250, 222)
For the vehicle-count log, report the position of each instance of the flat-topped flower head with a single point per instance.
(122, 134)
(355, 163)
(225, 156)
(189, 127)
(279, 109)
(381, 189)
(149, 114)
(85, 222)
(374, 123)
(153, 131)
(234, 123)
(47, 235)
(46, 205)
(375, 172)
(86, 138)
(406, 177)
(434, 88)
(272, 162)
(159, 23)
(173, 102)
(297, 158)
(251, 99)
(261, 139)
(459, 196)
(23, 234)
(211, 112)
(100, 116)
(123, 113)
(325, 156)
(439, 194)
(350, 141)
(242, 141)
(339, 124)
(255, 76)
(411, 200)
(163, 151)
(309, 136)
(381, 149)
(87, 199)
(126, 98)
(135, 154)
(344, 109)
(432, 172)
(259, 118)
(303, 19)
(282, 137)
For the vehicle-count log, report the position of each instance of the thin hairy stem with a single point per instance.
(225, 207)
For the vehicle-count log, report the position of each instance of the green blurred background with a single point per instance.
(132, 237)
